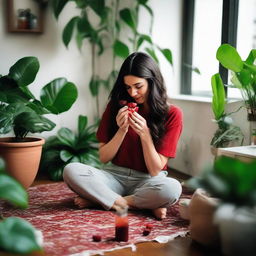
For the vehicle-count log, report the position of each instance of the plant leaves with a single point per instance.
(11, 92)
(121, 49)
(24, 70)
(66, 137)
(57, 6)
(229, 58)
(18, 236)
(167, 54)
(68, 31)
(218, 98)
(31, 122)
(8, 114)
(127, 16)
(142, 38)
(65, 155)
(2, 165)
(13, 191)
(56, 172)
(82, 123)
(152, 53)
(251, 57)
(59, 95)
(94, 86)
(98, 6)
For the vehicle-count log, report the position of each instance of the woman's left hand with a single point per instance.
(138, 124)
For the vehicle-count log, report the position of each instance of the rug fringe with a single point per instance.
(166, 239)
(159, 239)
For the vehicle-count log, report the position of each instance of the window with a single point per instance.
(206, 25)
(207, 38)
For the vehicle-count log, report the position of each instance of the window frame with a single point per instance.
(228, 35)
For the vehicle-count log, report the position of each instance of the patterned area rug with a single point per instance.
(68, 231)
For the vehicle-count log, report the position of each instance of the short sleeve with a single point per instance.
(174, 125)
(103, 134)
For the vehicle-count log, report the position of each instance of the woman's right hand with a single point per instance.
(122, 119)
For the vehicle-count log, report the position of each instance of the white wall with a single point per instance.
(194, 152)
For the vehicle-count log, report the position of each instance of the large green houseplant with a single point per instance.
(234, 183)
(243, 76)
(227, 132)
(16, 235)
(100, 24)
(68, 146)
(22, 113)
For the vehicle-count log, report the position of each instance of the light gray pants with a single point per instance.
(105, 186)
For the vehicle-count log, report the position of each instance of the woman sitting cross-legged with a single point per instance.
(138, 132)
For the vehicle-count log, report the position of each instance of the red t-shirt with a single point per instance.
(130, 153)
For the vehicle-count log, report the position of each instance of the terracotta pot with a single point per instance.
(22, 158)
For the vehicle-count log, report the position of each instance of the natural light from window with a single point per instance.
(207, 39)
(246, 34)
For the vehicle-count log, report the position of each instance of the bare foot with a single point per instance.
(120, 202)
(160, 213)
(83, 203)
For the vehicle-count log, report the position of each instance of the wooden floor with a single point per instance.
(178, 247)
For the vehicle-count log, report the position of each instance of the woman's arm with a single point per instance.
(107, 151)
(155, 162)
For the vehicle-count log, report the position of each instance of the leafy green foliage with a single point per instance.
(67, 147)
(16, 234)
(104, 33)
(219, 98)
(226, 132)
(243, 74)
(230, 180)
(12, 191)
(20, 111)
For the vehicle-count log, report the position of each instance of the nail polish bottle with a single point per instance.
(121, 224)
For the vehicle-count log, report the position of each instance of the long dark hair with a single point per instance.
(142, 65)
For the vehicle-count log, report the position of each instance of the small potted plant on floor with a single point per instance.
(16, 235)
(234, 183)
(23, 114)
(67, 146)
(243, 77)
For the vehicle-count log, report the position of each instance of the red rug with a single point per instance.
(68, 231)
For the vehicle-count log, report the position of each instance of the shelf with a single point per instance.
(12, 18)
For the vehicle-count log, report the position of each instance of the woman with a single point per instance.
(138, 145)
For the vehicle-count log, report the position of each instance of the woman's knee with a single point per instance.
(172, 189)
(68, 171)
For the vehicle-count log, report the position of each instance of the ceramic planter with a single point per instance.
(237, 230)
(201, 211)
(22, 158)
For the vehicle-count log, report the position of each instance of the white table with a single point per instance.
(243, 153)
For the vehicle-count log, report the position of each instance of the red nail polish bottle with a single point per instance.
(121, 225)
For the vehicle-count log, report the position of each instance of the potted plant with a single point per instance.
(243, 77)
(16, 235)
(21, 113)
(234, 183)
(67, 146)
(227, 132)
